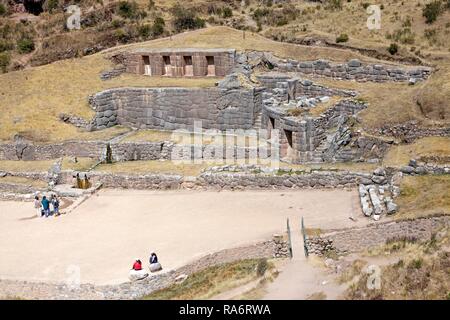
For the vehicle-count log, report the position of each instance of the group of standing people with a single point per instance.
(47, 207)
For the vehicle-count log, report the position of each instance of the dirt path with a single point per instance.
(301, 277)
(101, 238)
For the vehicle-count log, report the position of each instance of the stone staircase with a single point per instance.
(323, 147)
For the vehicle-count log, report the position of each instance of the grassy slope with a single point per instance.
(422, 195)
(210, 281)
(422, 272)
(436, 148)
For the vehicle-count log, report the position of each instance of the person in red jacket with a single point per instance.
(137, 265)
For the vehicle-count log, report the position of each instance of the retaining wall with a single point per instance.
(174, 108)
(358, 239)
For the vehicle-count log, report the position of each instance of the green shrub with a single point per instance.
(432, 10)
(185, 19)
(51, 5)
(145, 31)
(416, 263)
(343, 37)
(393, 48)
(158, 26)
(227, 12)
(25, 45)
(5, 59)
(261, 267)
(121, 35)
(5, 45)
(129, 10)
(333, 5)
(117, 23)
(3, 10)
(365, 5)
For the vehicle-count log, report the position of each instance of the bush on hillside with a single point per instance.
(227, 12)
(432, 10)
(129, 10)
(51, 5)
(3, 10)
(25, 45)
(185, 19)
(343, 37)
(158, 26)
(393, 48)
(4, 61)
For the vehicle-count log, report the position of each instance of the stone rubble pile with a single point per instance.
(377, 199)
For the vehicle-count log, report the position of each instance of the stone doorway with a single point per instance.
(188, 67)
(286, 144)
(167, 68)
(147, 66)
(270, 127)
(211, 67)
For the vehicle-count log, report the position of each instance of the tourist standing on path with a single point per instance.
(46, 206)
(55, 202)
(37, 206)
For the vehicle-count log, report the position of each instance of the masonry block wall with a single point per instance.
(175, 108)
(181, 62)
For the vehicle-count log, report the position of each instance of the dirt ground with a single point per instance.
(104, 235)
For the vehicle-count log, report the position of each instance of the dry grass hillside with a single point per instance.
(422, 271)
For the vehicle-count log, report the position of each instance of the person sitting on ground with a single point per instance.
(153, 258)
(37, 206)
(154, 264)
(55, 202)
(46, 206)
(137, 265)
(137, 273)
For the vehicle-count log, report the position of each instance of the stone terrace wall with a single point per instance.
(275, 80)
(358, 239)
(353, 70)
(174, 108)
(29, 151)
(221, 178)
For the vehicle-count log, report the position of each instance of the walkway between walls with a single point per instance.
(301, 277)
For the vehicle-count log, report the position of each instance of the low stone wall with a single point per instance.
(417, 168)
(29, 151)
(282, 178)
(219, 178)
(411, 131)
(358, 239)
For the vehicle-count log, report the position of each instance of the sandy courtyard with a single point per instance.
(103, 236)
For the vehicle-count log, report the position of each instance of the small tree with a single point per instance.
(432, 10)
